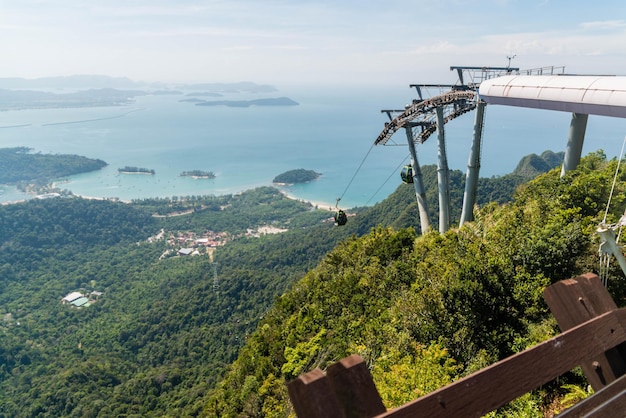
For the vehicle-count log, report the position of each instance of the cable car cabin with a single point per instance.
(340, 218)
(407, 174)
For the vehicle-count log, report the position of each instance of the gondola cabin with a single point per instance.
(407, 174)
(341, 218)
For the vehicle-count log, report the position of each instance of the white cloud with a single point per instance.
(313, 40)
(604, 25)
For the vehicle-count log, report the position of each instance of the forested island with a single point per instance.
(200, 174)
(220, 335)
(299, 175)
(20, 164)
(135, 170)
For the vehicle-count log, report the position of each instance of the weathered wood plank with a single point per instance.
(498, 384)
(580, 299)
(612, 408)
(611, 393)
(574, 301)
(355, 388)
(312, 396)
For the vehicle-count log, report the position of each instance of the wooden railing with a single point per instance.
(593, 337)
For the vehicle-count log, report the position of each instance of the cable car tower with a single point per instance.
(428, 114)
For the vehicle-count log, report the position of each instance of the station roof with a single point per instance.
(591, 95)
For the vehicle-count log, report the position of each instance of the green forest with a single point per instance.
(221, 335)
(19, 164)
(299, 175)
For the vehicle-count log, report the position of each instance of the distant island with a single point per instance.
(192, 100)
(97, 90)
(91, 81)
(19, 164)
(31, 99)
(237, 87)
(134, 170)
(205, 93)
(296, 176)
(198, 174)
(277, 101)
(167, 92)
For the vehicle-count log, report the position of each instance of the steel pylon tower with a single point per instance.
(427, 115)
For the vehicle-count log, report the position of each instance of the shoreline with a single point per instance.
(319, 205)
(54, 187)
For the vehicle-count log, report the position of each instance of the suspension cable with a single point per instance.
(621, 155)
(395, 170)
(605, 257)
(354, 175)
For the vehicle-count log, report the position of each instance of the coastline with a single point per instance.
(319, 205)
(53, 187)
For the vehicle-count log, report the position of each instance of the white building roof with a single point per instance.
(591, 95)
(72, 296)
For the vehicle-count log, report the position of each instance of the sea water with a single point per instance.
(331, 131)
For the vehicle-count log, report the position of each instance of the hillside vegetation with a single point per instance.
(18, 164)
(299, 175)
(425, 310)
(162, 333)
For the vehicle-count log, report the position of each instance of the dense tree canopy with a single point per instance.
(19, 164)
(156, 341)
(425, 310)
(162, 330)
(299, 175)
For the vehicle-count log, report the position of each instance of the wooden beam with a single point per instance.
(355, 388)
(498, 384)
(599, 400)
(580, 299)
(313, 397)
(594, 333)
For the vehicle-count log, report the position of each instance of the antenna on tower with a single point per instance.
(509, 57)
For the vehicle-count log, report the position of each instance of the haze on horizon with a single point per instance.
(281, 42)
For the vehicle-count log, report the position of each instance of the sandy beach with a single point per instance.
(319, 205)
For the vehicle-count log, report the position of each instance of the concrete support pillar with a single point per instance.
(473, 166)
(418, 184)
(443, 174)
(573, 152)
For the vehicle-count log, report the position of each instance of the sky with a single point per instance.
(307, 42)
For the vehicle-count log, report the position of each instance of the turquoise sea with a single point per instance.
(331, 131)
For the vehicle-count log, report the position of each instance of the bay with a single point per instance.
(331, 131)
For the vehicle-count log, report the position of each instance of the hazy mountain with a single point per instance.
(71, 82)
(33, 99)
(86, 81)
(244, 86)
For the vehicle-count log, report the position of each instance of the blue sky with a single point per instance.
(306, 42)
